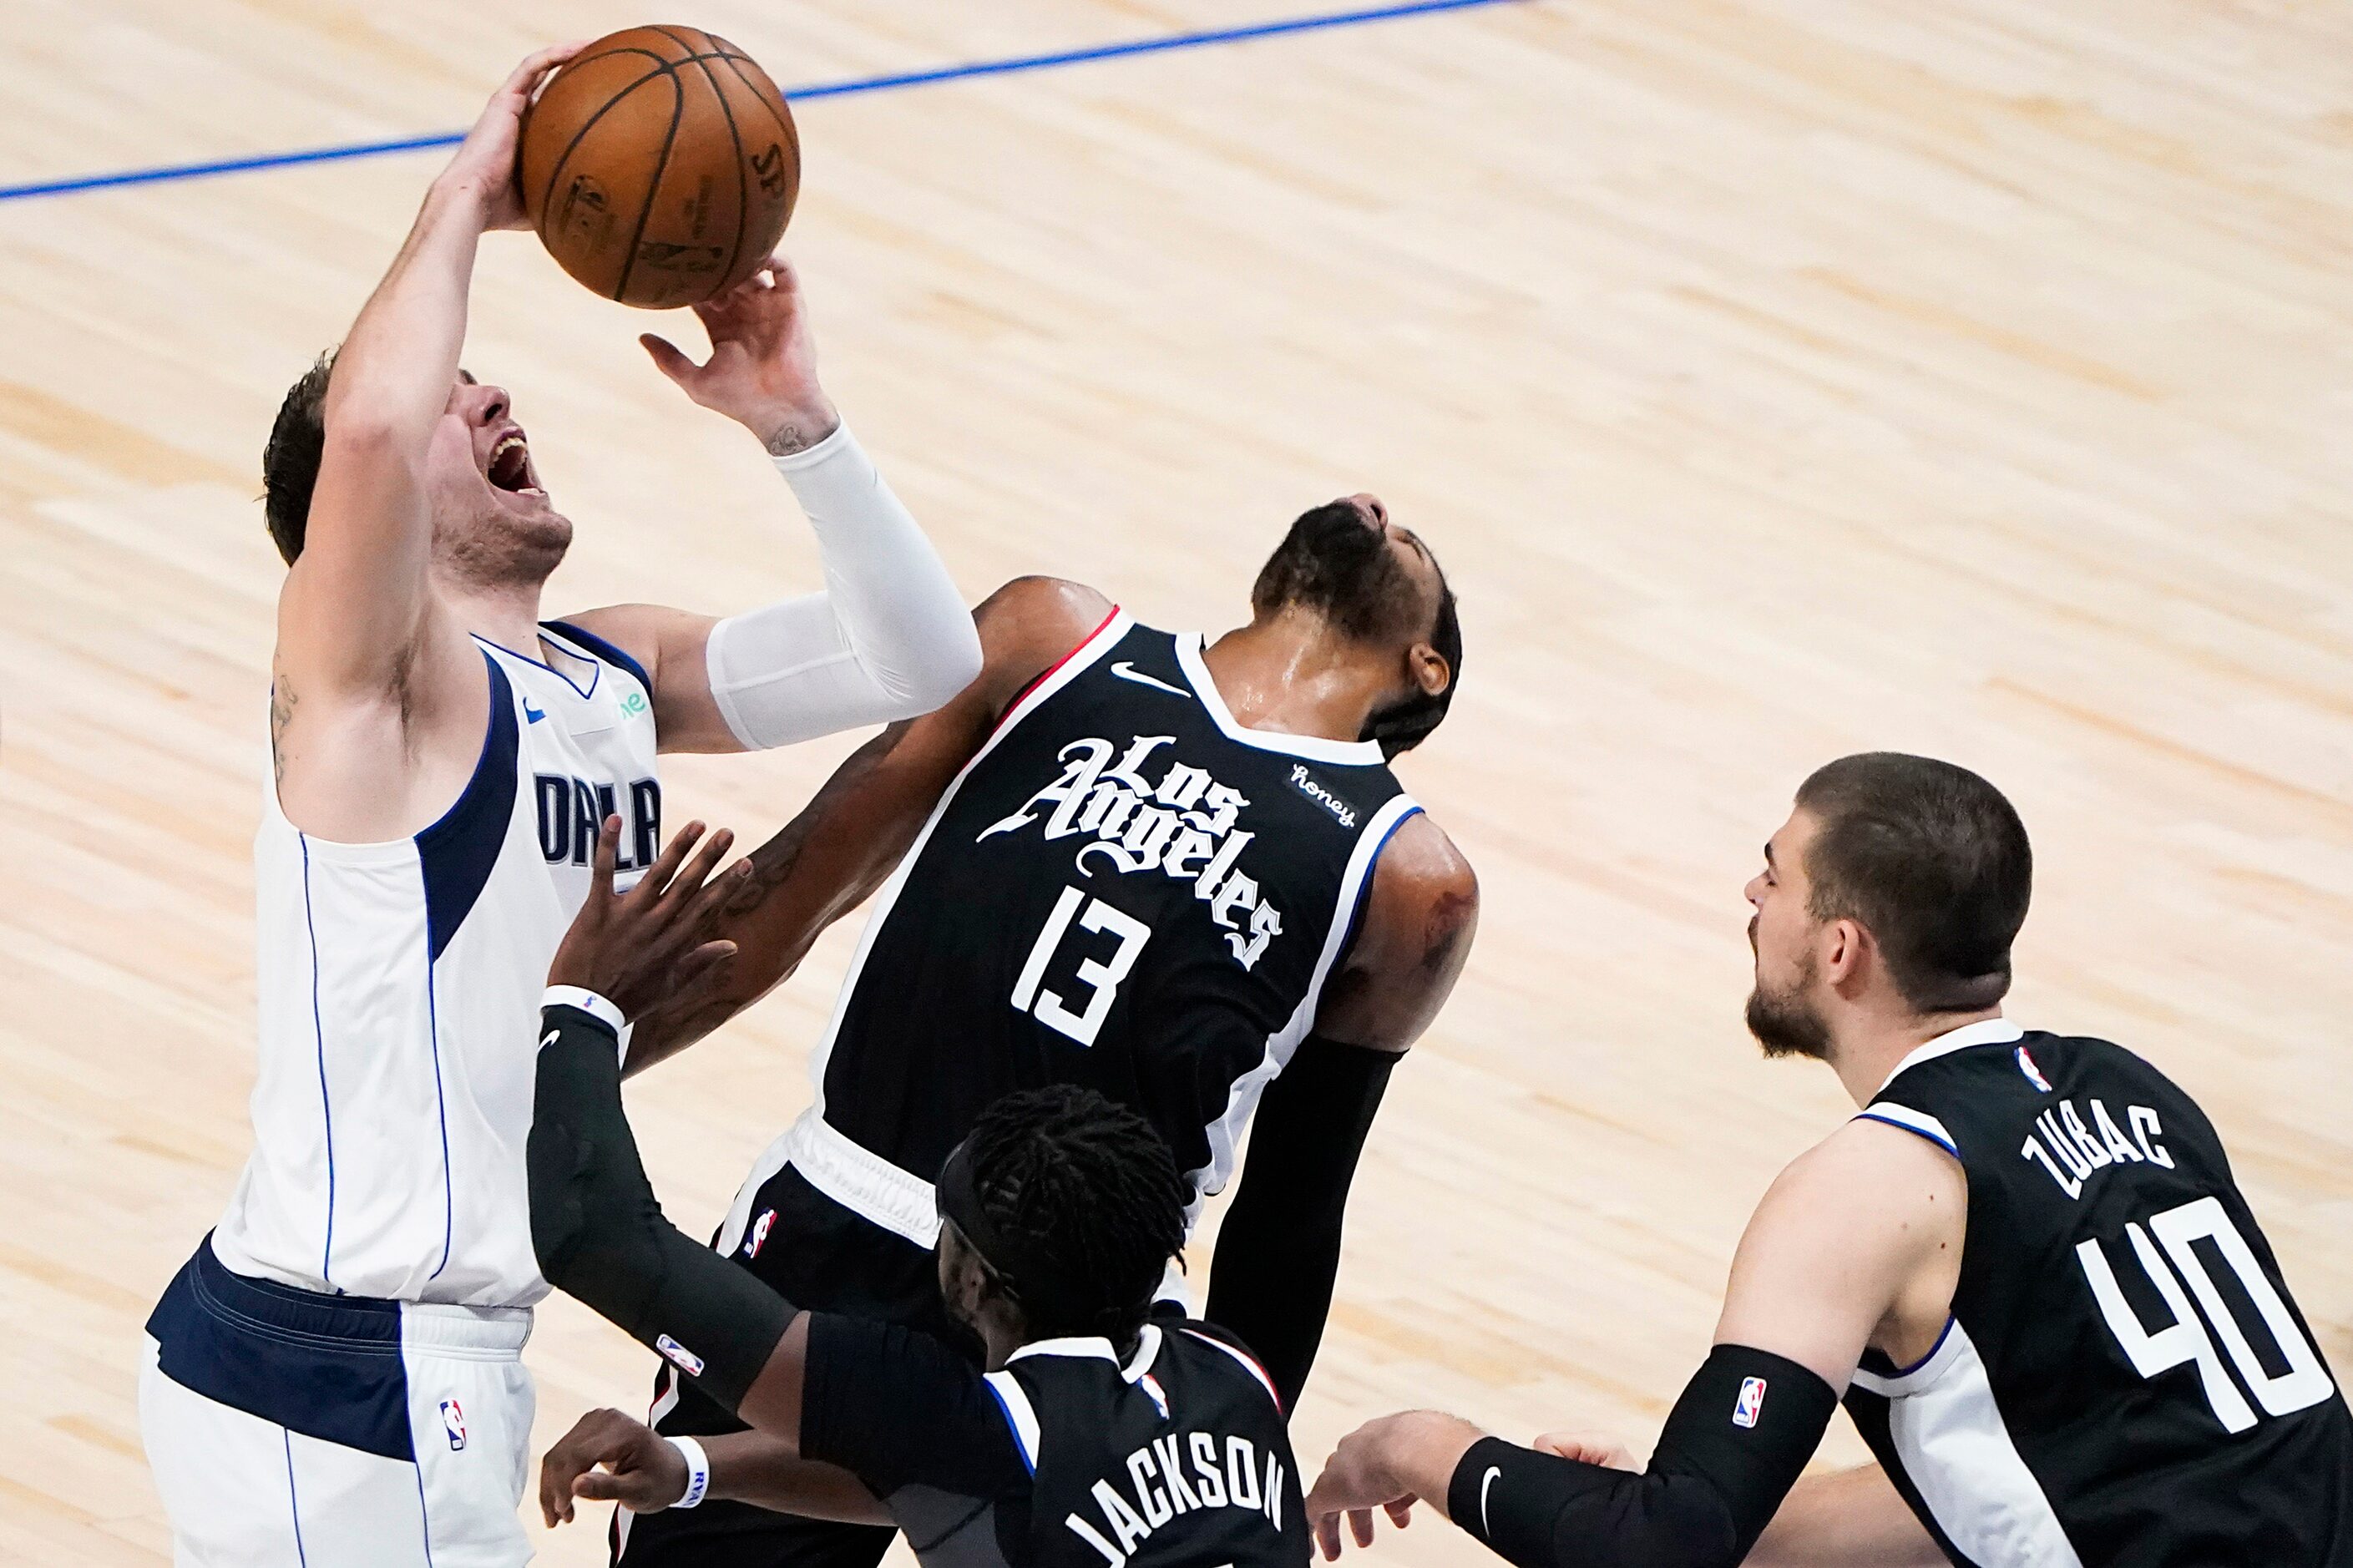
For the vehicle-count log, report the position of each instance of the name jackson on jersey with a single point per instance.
(1183, 826)
(1177, 1475)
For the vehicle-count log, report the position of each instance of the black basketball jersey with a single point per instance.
(2125, 1382)
(1067, 1457)
(1125, 889)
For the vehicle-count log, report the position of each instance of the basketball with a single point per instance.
(659, 166)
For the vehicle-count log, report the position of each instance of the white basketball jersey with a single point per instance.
(399, 987)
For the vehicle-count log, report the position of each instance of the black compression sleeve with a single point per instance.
(1279, 1247)
(1738, 1438)
(601, 1237)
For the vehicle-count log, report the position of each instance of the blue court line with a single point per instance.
(171, 171)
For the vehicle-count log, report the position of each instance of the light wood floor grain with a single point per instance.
(1778, 378)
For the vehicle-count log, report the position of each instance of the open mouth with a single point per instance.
(510, 466)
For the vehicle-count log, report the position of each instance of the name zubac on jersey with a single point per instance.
(1182, 826)
(1162, 1486)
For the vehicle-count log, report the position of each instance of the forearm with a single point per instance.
(1278, 1254)
(600, 1234)
(889, 638)
(1854, 1518)
(769, 1472)
(397, 365)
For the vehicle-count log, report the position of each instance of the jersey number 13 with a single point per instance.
(1101, 976)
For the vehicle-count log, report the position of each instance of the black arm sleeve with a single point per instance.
(1736, 1444)
(896, 1408)
(1279, 1248)
(601, 1237)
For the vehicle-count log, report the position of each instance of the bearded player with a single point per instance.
(1175, 869)
(333, 1377)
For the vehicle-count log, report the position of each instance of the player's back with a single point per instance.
(1179, 1459)
(398, 988)
(1126, 889)
(2127, 1381)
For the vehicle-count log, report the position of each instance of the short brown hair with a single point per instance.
(289, 463)
(1933, 861)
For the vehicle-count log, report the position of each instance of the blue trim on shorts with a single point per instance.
(329, 1367)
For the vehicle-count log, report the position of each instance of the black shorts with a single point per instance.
(817, 1254)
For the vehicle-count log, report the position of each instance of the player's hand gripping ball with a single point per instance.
(659, 166)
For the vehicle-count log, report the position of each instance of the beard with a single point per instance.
(1784, 1022)
(1334, 564)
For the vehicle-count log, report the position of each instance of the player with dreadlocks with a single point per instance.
(1097, 1435)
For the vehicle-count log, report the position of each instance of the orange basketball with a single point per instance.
(659, 166)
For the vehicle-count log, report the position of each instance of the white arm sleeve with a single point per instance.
(889, 638)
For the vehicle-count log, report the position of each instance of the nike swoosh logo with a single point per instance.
(1127, 671)
(1484, 1482)
(532, 714)
(554, 1035)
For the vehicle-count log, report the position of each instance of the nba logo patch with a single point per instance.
(1151, 1385)
(453, 1422)
(688, 1361)
(759, 1233)
(2033, 1074)
(1750, 1405)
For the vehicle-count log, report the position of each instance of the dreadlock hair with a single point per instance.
(289, 463)
(1089, 1186)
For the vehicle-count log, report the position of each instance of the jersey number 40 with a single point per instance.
(2185, 1341)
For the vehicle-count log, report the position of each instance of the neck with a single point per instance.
(507, 614)
(1865, 1052)
(1289, 673)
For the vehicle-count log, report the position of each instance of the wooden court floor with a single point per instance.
(1777, 378)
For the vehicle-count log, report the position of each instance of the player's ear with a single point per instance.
(1845, 942)
(1427, 669)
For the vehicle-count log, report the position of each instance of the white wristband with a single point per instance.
(698, 1471)
(595, 1006)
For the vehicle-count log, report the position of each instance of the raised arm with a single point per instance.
(369, 665)
(1277, 1252)
(1858, 1241)
(889, 638)
(829, 858)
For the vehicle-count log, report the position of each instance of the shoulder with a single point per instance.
(1421, 864)
(1044, 607)
(1029, 626)
(1869, 1177)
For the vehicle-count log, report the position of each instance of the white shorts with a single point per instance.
(309, 1431)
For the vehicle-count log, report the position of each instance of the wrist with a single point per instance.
(1426, 1450)
(694, 1485)
(788, 432)
(458, 196)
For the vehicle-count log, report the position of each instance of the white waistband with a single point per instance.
(496, 1333)
(862, 1181)
(875, 1190)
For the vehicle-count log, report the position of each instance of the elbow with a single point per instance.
(935, 681)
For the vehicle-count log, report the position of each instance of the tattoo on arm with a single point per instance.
(787, 440)
(281, 712)
(1444, 932)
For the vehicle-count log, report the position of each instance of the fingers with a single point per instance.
(1401, 1511)
(1588, 1447)
(1327, 1536)
(1360, 1525)
(669, 360)
(524, 76)
(657, 876)
(608, 854)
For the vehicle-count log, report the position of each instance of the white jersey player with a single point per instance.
(334, 1377)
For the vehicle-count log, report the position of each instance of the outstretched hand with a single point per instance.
(484, 168)
(762, 372)
(648, 947)
(1387, 1464)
